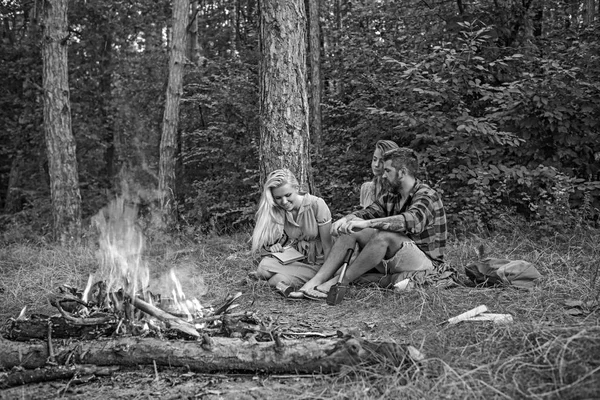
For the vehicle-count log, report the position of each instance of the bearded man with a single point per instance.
(401, 237)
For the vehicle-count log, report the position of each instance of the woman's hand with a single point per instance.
(335, 227)
(276, 248)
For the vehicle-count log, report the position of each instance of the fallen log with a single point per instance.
(211, 354)
(36, 327)
(48, 374)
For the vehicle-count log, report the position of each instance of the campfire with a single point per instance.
(117, 300)
(118, 320)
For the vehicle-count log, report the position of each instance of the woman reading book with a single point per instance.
(290, 219)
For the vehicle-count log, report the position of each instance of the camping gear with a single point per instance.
(501, 272)
(338, 291)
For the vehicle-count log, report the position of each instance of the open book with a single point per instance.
(289, 255)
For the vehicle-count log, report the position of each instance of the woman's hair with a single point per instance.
(381, 184)
(270, 217)
(385, 146)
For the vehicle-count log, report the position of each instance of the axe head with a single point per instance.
(336, 294)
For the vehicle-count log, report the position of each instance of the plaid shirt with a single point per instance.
(424, 215)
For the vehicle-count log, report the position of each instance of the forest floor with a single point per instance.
(549, 351)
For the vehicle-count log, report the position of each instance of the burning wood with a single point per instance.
(170, 320)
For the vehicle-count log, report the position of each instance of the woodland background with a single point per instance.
(501, 99)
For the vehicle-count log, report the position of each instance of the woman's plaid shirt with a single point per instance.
(424, 216)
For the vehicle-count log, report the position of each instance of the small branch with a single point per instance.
(218, 317)
(74, 320)
(171, 320)
(228, 301)
(51, 357)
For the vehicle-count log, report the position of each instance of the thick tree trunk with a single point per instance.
(314, 45)
(210, 355)
(283, 109)
(168, 143)
(64, 181)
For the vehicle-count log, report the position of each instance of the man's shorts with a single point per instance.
(407, 259)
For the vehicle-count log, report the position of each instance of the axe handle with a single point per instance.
(347, 258)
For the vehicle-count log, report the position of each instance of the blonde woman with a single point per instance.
(288, 217)
(373, 189)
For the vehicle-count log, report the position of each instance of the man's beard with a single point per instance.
(395, 186)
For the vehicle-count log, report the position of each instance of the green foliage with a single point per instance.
(497, 129)
(503, 113)
(219, 121)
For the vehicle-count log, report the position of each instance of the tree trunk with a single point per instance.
(193, 42)
(283, 108)
(589, 12)
(14, 194)
(208, 355)
(537, 18)
(110, 154)
(314, 46)
(61, 149)
(168, 143)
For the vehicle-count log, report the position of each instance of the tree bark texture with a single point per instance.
(589, 12)
(105, 63)
(25, 377)
(209, 355)
(56, 327)
(14, 194)
(60, 143)
(283, 108)
(314, 45)
(168, 142)
(193, 40)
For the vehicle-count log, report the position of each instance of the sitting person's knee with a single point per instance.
(389, 237)
(263, 272)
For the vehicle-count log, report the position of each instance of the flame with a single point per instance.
(191, 308)
(121, 246)
(88, 287)
(122, 268)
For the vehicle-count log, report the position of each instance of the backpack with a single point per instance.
(500, 272)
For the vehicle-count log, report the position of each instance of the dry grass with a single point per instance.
(550, 351)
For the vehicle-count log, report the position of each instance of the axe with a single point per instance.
(338, 291)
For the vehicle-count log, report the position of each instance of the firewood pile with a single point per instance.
(95, 313)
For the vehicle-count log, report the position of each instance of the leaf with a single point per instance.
(574, 311)
(574, 303)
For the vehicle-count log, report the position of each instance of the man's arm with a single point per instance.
(395, 223)
(413, 221)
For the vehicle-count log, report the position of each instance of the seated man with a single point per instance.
(402, 235)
